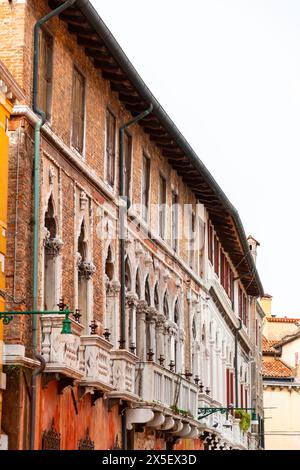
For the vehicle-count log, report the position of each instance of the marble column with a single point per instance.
(130, 320)
(159, 332)
(141, 330)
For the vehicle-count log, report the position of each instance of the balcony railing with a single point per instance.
(166, 388)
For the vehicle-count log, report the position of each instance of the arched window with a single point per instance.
(50, 252)
(203, 335)
(147, 292)
(127, 275)
(194, 329)
(156, 297)
(109, 265)
(111, 294)
(82, 280)
(166, 306)
(138, 284)
(176, 313)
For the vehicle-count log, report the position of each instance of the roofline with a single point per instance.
(111, 43)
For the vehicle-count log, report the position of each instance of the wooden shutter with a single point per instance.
(242, 395)
(216, 255)
(111, 147)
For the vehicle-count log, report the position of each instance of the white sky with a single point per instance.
(228, 73)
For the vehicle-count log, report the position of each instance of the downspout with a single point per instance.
(36, 203)
(123, 211)
(236, 376)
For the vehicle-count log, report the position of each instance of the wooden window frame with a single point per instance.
(81, 151)
(110, 158)
(162, 210)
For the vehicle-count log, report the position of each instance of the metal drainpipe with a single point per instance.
(36, 198)
(123, 211)
(236, 376)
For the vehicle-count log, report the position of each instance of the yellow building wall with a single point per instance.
(5, 110)
(282, 412)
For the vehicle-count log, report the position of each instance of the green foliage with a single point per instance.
(178, 411)
(245, 419)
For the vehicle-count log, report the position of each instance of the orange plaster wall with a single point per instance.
(103, 425)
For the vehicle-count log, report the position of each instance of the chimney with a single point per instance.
(253, 244)
(266, 303)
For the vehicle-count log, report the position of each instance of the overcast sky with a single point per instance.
(228, 74)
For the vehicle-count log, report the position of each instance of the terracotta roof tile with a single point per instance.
(267, 344)
(283, 320)
(276, 368)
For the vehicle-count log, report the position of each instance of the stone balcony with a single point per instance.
(168, 389)
(123, 375)
(62, 353)
(95, 352)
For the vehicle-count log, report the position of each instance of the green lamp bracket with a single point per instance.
(7, 317)
(207, 411)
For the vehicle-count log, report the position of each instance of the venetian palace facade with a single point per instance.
(170, 327)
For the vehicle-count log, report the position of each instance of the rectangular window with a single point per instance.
(256, 332)
(127, 161)
(226, 276)
(45, 73)
(210, 243)
(110, 147)
(240, 303)
(245, 311)
(145, 187)
(162, 205)
(232, 289)
(222, 269)
(78, 104)
(201, 238)
(175, 212)
(192, 241)
(216, 255)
